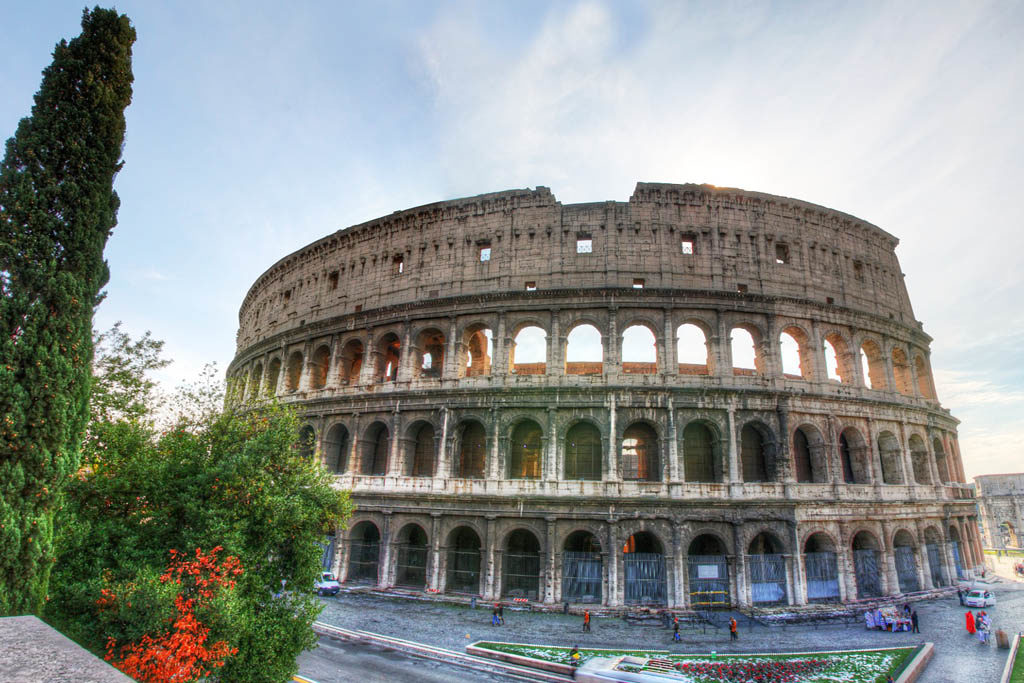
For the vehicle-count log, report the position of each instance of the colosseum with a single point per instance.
(699, 397)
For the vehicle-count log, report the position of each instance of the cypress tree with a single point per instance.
(57, 209)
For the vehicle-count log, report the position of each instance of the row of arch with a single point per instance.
(359, 361)
(704, 457)
(767, 571)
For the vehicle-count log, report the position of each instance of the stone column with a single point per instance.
(855, 363)
(892, 583)
(844, 559)
(442, 470)
(613, 355)
(340, 565)
(817, 349)
(491, 580)
(835, 458)
(395, 464)
(614, 553)
(925, 565)
(679, 559)
(434, 575)
(494, 468)
(551, 453)
(876, 458)
(304, 371)
(450, 368)
(720, 344)
(613, 454)
(549, 571)
(283, 372)
(670, 364)
(556, 347)
(784, 463)
(890, 376)
(908, 463)
(799, 593)
(384, 568)
(933, 465)
(734, 478)
(332, 363)
(742, 597)
(675, 472)
(371, 358)
(499, 350)
(407, 355)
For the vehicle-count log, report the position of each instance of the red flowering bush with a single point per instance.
(759, 671)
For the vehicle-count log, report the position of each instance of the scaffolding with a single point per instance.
(822, 576)
(581, 576)
(645, 578)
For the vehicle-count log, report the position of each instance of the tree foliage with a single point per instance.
(215, 476)
(57, 208)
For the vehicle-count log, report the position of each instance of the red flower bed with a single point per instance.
(766, 671)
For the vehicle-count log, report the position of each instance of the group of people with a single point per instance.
(892, 619)
(980, 625)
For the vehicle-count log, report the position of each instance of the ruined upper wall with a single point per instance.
(741, 241)
(1000, 485)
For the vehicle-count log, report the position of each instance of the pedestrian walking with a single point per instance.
(501, 614)
(675, 630)
(494, 616)
(586, 621)
(970, 622)
(913, 622)
(960, 594)
(733, 633)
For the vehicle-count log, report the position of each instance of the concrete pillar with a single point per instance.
(924, 567)
(876, 458)
(892, 583)
(332, 363)
(613, 353)
(371, 358)
(385, 561)
(612, 467)
(799, 593)
(721, 345)
(890, 376)
(434, 574)
(817, 354)
(450, 368)
(734, 478)
(670, 360)
(551, 452)
(395, 464)
(492, 584)
(742, 597)
(494, 468)
(612, 597)
(408, 355)
(556, 347)
(681, 596)
(549, 569)
(674, 470)
(499, 350)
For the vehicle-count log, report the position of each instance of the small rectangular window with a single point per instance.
(359, 307)
(781, 253)
(858, 270)
(333, 278)
(638, 283)
(829, 300)
(687, 246)
(584, 245)
(399, 265)
(485, 253)
(741, 289)
(531, 286)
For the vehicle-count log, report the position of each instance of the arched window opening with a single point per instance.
(336, 449)
(411, 563)
(821, 569)
(294, 375)
(766, 564)
(698, 454)
(692, 350)
(866, 566)
(472, 452)
(584, 354)
(529, 351)
(376, 445)
(319, 365)
(475, 355)
(643, 563)
(583, 453)
(581, 568)
(941, 463)
(363, 553)
(525, 456)
(254, 380)
(306, 445)
(390, 349)
(901, 372)
(430, 351)
(463, 575)
(873, 366)
(802, 457)
(838, 361)
(639, 351)
(905, 554)
(521, 566)
(745, 359)
(756, 454)
(855, 457)
(809, 455)
(919, 460)
(273, 376)
(831, 361)
(351, 362)
(422, 464)
(796, 358)
(708, 572)
(640, 461)
(925, 386)
(891, 458)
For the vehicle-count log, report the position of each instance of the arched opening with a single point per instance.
(273, 376)
(865, 565)
(411, 563)
(941, 463)
(294, 374)
(351, 362)
(363, 553)
(581, 568)
(389, 354)
(430, 354)
(708, 571)
(520, 574)
(936, 565)
(745, 359)
(1008, 533)
(766, 565)
(919, 460)
(319, 364)
(584, 354)
(643, 563)
(375, 448)
(463, 574)
(306, 445)
(901, 372)
(529, 351)
(639, 351)
(821, 569)
(472, 451)
(699, 461)
(906, 562)
(692, 350)
(757, 453)
(475, 353)
(925, 386)
(891, 456)
(854, 457)
(809, 455)
(336, 449)
(838, 361)
(583, 452)
(524, 458)
(796, 354)
(872, 365)
(254, 380)
(421, 464)
(640, 461)
(959, 562)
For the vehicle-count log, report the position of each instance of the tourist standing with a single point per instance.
(970, 622)
(675, 630)
(586, 621)
(501, 614)
(733, 633)
(960, 594)
(494, 616)
(913, 622)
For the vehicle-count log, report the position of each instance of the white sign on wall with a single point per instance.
(707, 571)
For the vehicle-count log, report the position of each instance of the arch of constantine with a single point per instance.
(698, 397)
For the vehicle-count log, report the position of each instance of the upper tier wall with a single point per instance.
(745, 241)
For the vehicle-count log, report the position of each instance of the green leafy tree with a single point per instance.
(57, 208)
(216, 476)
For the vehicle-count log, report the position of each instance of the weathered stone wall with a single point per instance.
(1001, 501)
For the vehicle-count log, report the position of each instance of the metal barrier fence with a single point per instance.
(709, 580)
(644, 578)
(581, 577)
(865, 564)
(411, 567)
(463, 575)
(363, 559)
(822, 576)
(767, 579)
(521, 575)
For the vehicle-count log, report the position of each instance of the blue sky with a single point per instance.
(257, 127)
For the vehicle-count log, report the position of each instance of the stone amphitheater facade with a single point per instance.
(619, 480)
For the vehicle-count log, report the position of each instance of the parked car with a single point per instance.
(327, 585)
(980, 598)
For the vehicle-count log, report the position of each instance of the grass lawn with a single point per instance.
(855, 666)
(1017, 673)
